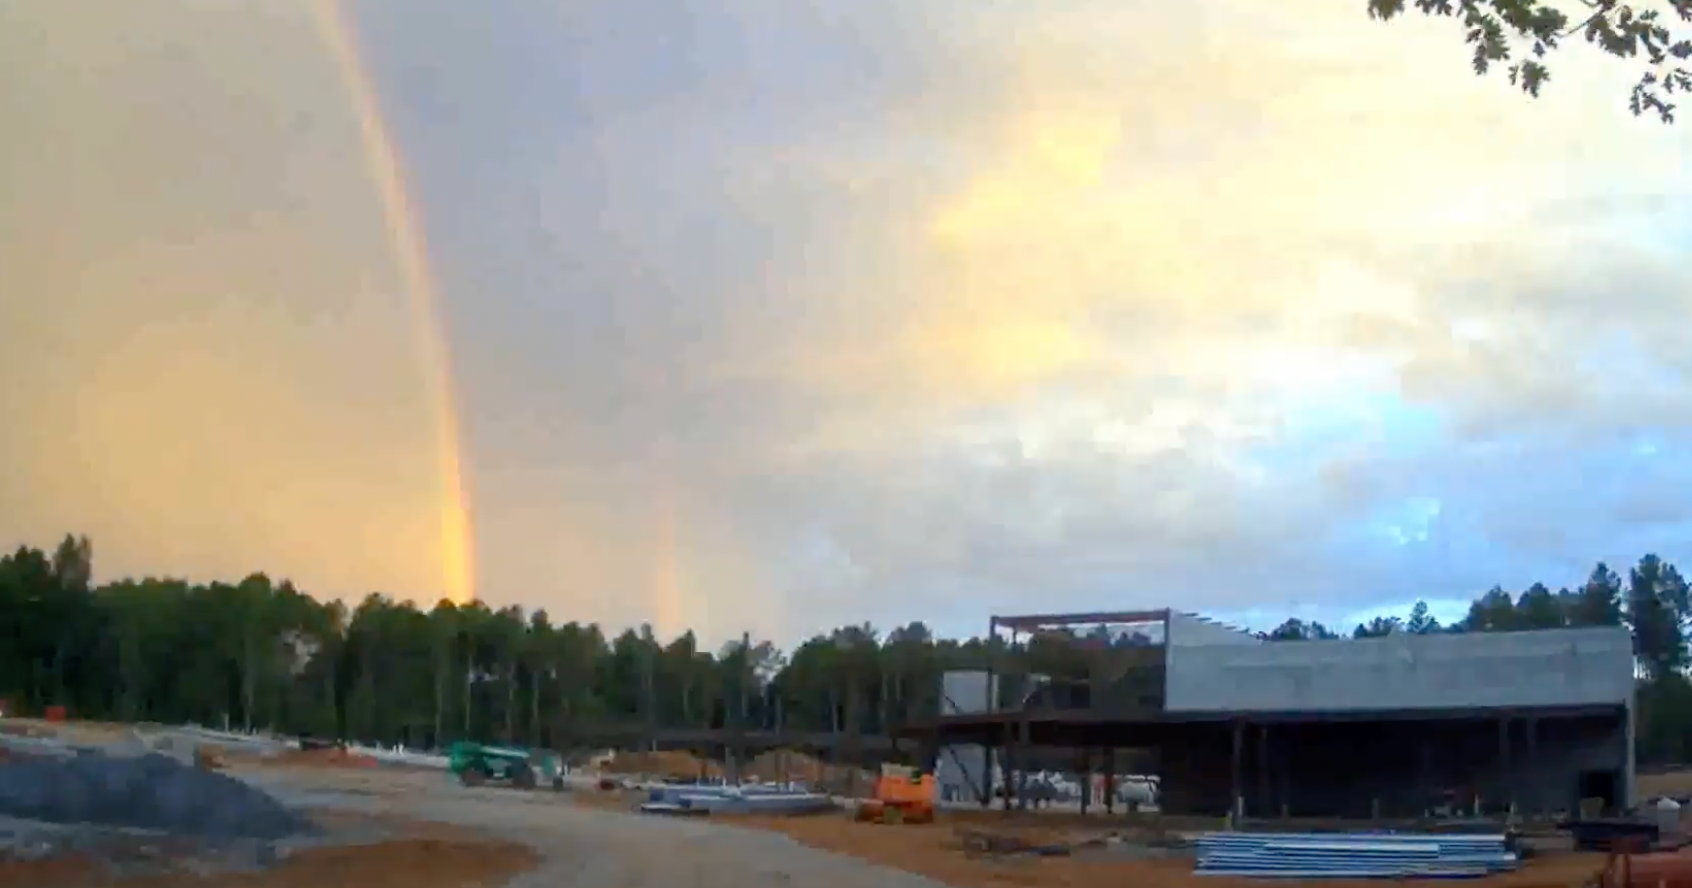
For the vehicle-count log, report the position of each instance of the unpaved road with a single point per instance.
(582, 847)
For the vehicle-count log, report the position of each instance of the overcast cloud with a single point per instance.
(777, 314)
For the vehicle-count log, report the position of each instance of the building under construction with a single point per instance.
(1395, 726)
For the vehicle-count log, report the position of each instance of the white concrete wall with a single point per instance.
(1563, 667)
(1192, 630)
(968, 691)
(962, 771)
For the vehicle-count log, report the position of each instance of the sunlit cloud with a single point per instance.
(776, 316)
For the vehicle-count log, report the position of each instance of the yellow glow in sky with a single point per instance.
(212, 345)
(1136, 232)
(410, 253)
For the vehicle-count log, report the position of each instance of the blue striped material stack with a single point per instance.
(1352, 855)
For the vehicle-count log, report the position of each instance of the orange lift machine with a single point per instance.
(901, 796)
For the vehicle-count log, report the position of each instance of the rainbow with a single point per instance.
(405, 240)
(669, 618)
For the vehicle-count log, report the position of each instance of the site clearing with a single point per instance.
(400, 826)
(1347, 763)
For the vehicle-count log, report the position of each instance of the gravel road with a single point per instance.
(586, 848)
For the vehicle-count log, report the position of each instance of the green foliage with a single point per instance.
(261, 653)
(1295, 629)
(1522, 35)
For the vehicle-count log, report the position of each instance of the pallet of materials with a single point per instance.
(734, 800)
(1352, 855)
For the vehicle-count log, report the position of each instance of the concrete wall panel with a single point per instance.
(962, 773)
(1191, 630)
(967, 692)
(1567, 667)
(1353, 768)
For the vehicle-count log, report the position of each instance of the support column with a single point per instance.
(1425, 776)
(1084, 775)
(990, 703)
(1265, 805)
(1236, 788)
(1507, 794)
(1629, 789)
(1534, 799)
(1022, 762)
(1110, 779)
(1008, 777)
(1283, 773)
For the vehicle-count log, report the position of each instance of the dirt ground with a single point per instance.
(607, 800)
(416, 854)
(437, 834)
(938, 851)
(313, 758)
(71, 731)
(439, 855)
(935, 850)
(404, 863)
(1675, 784)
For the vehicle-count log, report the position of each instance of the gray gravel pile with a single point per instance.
(126, 851)
(151, 792)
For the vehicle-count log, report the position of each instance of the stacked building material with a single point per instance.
(14, 746)
(1352, 855)
(733, 800)
(399, 755)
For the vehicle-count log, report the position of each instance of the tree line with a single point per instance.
(262, 653)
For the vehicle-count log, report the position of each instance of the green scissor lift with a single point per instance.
(479, 763)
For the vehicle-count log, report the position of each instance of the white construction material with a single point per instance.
(36, 746)
(1668, 816)
(399, 755)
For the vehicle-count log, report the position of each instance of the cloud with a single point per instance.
(203, 346)
(785, 314)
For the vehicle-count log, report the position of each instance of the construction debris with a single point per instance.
(984, 843)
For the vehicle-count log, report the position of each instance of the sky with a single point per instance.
(778, 314)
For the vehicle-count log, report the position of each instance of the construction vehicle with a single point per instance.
(476, 764)
(901, 795)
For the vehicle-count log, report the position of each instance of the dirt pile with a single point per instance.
(1675, 784)
(208, 757)
(665, 763)
(791, 766)
(151, 792)
(324, 757)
